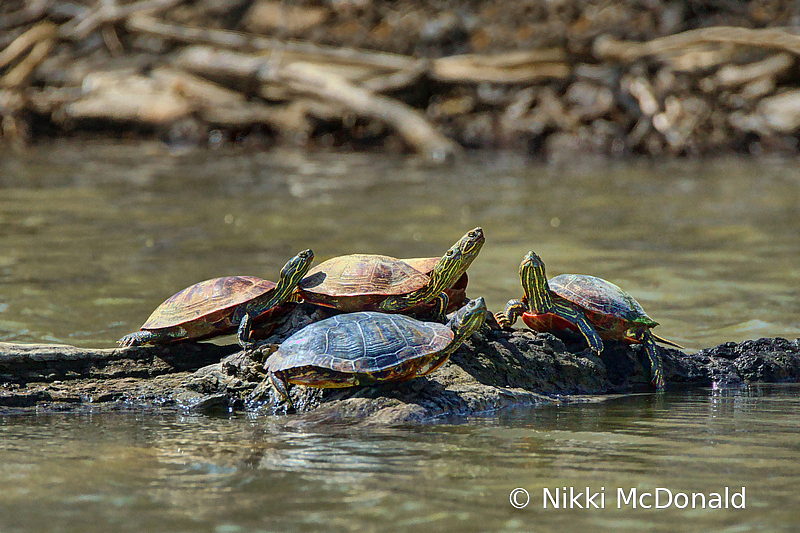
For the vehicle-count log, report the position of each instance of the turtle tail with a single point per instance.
(668, 342)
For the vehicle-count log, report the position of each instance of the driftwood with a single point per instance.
(41, 32)
(273, 15)
(771, 67)
(780, 113)
(609, 48)
(109, 12)
(126, 98)
(33, 11)
(409, 122)
(526, 66)
(506, 78)
(299, 50)
(23, 72)
(303, 78)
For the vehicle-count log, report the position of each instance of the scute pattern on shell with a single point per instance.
(365, 342)
(363, 274)
(599, 296)
(203, 299)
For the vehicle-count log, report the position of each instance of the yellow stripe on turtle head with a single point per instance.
(533, 277)
(292, 272)
(468, 319)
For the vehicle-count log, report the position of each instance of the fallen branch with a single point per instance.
(221, 107)
(124, 97)
(20, 74)
(306, 79)
(32, 12)
(109, 12)
(733, 75)
(299, 50)
(26, 41)
(512, 67)
(397, 80)
(408, 121)
(609, 48)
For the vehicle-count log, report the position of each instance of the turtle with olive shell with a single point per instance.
(368, 347)
(221, 305)
(591, 306)
(369, 282)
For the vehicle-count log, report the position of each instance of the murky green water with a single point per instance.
(93, 237)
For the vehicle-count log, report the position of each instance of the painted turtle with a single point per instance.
(218, 306)
(368, 347)
(592, 306)
(367, 282)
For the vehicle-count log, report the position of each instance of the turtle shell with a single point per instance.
(606, 304)
(361, 348)
(359, 282)
(211, 303)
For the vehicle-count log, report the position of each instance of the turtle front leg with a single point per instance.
(162, 336)
(281, 386)
(578, 318)
(514, 309)
(243, 333)
(656, 372)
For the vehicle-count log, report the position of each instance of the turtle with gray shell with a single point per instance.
(369, 282)
(591, 306)
(367, 347)
(221, 305)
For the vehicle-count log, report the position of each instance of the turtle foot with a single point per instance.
(130, 340)
(502, 321)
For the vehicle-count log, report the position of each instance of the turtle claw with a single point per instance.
(137, 338)
(502, 320)
(243, 334)
(281, 387)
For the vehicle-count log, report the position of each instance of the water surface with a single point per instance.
(95, 236)
(171, 472)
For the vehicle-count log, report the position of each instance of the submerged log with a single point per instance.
(493, 370)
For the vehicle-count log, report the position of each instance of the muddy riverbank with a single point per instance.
(553, 80)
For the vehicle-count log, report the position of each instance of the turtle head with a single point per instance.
(294, 270)
(298, 266)
(468, 319)
(470, 244)
(533, 277)
(457, 259)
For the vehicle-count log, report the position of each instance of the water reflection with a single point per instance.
(171, 472)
